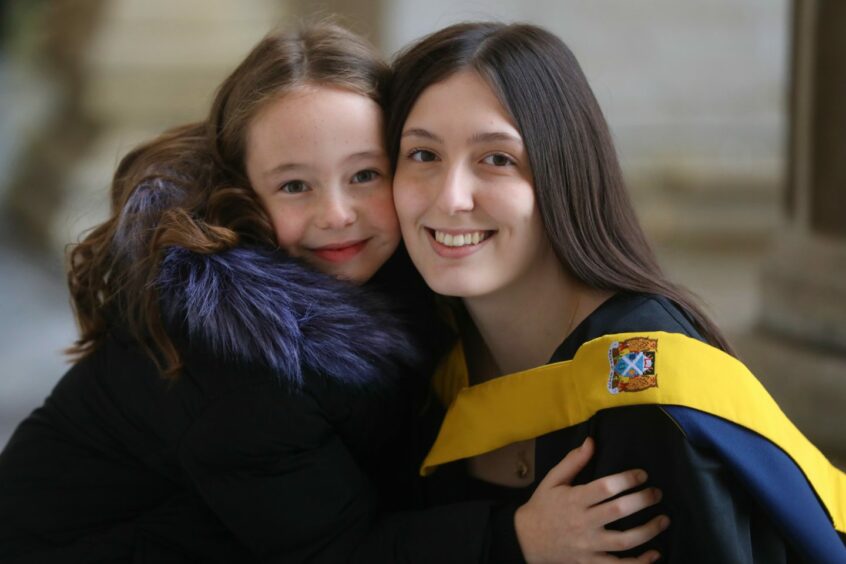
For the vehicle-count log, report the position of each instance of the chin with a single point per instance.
(353, 276)
(455, 287)
(359, 270)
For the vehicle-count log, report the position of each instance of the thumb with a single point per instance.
(565, 471)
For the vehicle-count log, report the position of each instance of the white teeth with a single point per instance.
(460, 240)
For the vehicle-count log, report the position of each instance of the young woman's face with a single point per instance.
(316, 158)
(463, 191)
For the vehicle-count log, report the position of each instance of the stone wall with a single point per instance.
(694, 92)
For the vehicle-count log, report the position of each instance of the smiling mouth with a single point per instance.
(340, 252)
(461, 238)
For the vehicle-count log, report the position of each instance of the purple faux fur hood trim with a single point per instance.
(260, 306)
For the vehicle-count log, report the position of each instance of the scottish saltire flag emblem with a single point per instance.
(632, 365)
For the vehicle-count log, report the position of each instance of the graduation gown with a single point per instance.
(740, 482)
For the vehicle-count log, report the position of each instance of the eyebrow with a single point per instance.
(420, 132)
(372, 154)
(495, 136)
(285, 167)
(482, 137)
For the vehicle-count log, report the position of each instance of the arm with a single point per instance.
(560, 523)
(285, 485)
(283, 482)
(278, 477)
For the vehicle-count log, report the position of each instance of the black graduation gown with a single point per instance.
(713, 518)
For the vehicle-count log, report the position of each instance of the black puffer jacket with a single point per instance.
(277, 443)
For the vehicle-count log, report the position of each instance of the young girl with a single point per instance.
(229, 403)
(510, 197)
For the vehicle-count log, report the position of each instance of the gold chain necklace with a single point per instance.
(524, 467)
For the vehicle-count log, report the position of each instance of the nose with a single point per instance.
(336, 211)
(456, 193)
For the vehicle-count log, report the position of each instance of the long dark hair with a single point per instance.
(581, 195)
(188, 187)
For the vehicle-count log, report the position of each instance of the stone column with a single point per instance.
(46, 129)
(800, 348)
(145, 67)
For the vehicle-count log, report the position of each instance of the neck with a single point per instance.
(520, 326)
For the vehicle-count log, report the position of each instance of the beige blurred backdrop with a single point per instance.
(729, 116)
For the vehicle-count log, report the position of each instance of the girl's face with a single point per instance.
(316, 158)
(463, 192)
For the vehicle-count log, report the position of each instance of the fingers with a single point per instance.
(601, 489)
(646, 558)
(616, 541)
(623, 506)
(570, 466)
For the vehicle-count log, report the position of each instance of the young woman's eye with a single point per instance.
(294, 187)
(498, 159)
(363, 176)
(422, 156)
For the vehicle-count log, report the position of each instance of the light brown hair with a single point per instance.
(189, 187)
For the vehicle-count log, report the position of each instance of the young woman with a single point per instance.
(228, 402)
(510, 197)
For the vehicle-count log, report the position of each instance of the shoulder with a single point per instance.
(258, 307)
(630, 312)
(627, 312)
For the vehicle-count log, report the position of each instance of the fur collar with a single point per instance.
(260, 306)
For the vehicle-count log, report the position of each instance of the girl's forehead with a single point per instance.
(306, 90)
(314, 129)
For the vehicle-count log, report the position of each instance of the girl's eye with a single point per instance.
(422, 156)
(498, 159)
(364, 176)
(294, 187)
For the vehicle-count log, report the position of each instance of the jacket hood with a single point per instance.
(258, 305)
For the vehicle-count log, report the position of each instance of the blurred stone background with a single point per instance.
(729, 115)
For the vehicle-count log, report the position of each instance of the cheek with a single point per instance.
(382, 215)
(410, 200)
(534, 238)
(289, 228)
(518, 200)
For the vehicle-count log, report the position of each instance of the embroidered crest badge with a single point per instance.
(632, 365)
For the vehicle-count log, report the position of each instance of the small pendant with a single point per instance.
(522, 469)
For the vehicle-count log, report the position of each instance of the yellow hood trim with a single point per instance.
(689, 373)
